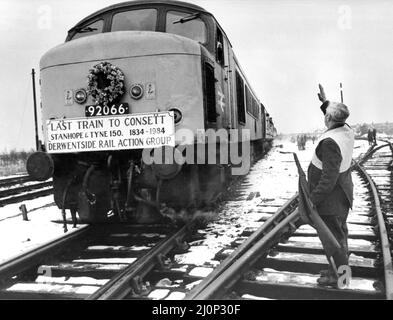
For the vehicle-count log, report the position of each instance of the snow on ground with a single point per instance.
(23, 184)
(273, 177)
(12, 210)
(361, 146)
(18, 236)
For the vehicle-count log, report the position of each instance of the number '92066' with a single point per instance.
(114, 109)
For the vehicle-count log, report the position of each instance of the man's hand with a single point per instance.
(321, 94)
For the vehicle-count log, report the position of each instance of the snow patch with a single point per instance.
(158, 294)
(200, 272)
(107, 260)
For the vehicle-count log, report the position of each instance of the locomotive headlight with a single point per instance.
(136, 91)
(177, 114)
(80, 96)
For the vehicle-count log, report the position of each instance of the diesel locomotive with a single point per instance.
(130, 78)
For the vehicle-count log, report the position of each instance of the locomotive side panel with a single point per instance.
(174, 74)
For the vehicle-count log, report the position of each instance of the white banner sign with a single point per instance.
(133, 131)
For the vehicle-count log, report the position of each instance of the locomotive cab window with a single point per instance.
(210, 93)
(186, 25)
(135, 20)
(89, 29)
(219, 47)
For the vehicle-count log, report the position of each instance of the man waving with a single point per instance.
(330, 181)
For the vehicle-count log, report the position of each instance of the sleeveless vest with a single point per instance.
(345, 139)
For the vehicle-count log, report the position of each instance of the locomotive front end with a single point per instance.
(105, 99)
(146, 112)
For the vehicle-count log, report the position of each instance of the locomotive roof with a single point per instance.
(175, 3)
(143, 2)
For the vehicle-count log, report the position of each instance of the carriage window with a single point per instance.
(89, 30)
(248, 100)
(241, 114)
(186, 25)
(145, 19)
(210, 93)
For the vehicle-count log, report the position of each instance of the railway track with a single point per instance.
(42, 273)
(281, 259)
(142, 262)
(6, 182)
(17, 189)
(94, 262)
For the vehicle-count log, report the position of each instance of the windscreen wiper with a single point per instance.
(188, 18)
(86, 29)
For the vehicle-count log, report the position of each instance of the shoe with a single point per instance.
(324, 273)
(328, 280)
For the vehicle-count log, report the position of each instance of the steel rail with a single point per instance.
(122, 284)
(235, 271)
(14, 180)
(26, 196)
(370, 153)
(14, 191)
(273, 221)
(38, 254)
(384, 237)
(223, 278)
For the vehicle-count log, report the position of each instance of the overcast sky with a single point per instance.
(285, 47)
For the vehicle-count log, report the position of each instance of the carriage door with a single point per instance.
(222, 92)
(230, 84)
(263, 121)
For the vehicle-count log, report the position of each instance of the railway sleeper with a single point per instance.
(366, 234)
(77, 269)
(313, 245)
(314, 263)
(293, 285)
(109, 254)
(47, 291)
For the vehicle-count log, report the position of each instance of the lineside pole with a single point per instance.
(341, 91)
(37, 144)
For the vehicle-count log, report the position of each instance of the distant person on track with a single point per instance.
(304, 140)
(330, 180)
(299, 142)
(370, 136)
(375, 135)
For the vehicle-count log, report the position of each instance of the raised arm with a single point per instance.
(323, 99)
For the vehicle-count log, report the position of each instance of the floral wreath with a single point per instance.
(105, 83)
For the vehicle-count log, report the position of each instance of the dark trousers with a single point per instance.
(338, 226)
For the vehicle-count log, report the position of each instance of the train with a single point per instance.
(134, 82)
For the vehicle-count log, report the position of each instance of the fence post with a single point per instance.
(24, 212)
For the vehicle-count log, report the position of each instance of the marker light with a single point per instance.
(40, 166)
(136, 91)
(177, 114)
(80, 96)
